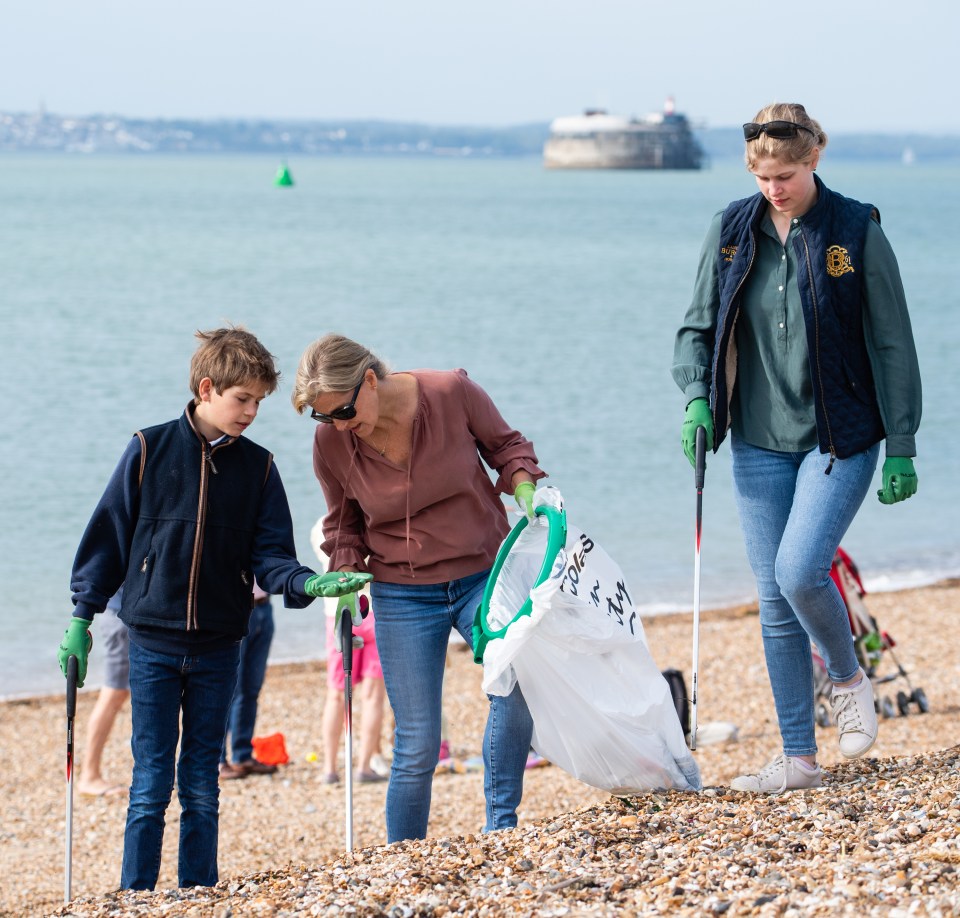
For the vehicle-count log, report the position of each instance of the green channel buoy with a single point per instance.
(283, 177)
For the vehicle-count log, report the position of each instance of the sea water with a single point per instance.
(559, 292)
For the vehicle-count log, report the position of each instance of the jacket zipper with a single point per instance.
(206, 462)
(740, 283)
(816, 327)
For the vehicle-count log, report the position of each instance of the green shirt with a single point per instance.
(772, 404)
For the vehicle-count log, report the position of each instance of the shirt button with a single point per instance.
(780, 288)
(796, 220)
(783, 258)
(781, 324)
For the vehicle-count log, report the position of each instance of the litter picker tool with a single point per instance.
(699, 474)
(346, 646)
(71, 714)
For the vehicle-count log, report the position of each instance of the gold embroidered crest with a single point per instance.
(728, 251)
(838, 261)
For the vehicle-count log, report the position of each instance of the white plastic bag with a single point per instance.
(601, 709)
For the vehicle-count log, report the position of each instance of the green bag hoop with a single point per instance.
(556, 539)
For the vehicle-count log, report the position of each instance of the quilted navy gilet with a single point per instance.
(830, 276)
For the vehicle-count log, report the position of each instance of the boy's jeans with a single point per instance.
(793, 517)
(161, 686)
(413, 630)
(254, 649)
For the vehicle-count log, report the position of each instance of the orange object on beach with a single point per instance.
(271, 750)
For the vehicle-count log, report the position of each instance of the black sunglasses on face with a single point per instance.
(344, 413)
(777, 130)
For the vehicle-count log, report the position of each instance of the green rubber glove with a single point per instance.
(523, 495)
(899, 480)
(77, 641)
(348, 604)
(697, 415)
(335, 583)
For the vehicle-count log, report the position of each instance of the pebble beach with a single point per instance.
(880, 838)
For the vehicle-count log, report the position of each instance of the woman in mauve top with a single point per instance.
(398, 456)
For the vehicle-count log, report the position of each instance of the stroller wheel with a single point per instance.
(920, 697)
(822, 715)
(903, 703)
(886, 707)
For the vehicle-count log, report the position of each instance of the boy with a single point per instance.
(191, 514)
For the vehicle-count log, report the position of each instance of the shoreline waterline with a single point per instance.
(746, 606)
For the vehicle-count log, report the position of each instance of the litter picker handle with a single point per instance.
(346, 647)
(72, 667)
(701, 467)
(346, 640)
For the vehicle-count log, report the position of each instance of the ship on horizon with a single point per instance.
(598, 140)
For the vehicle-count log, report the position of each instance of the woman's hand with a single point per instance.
(697, 415)
(899, 480)
(523, 495)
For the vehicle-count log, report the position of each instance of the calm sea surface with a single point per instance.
(559, 292)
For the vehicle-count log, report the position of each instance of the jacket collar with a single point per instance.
(188, 426)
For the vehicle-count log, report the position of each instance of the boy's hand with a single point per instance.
(77, 641)
(336, 583)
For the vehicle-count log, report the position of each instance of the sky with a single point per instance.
(857, 66)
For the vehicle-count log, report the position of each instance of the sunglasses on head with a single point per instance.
(345, 412)
(777, 130)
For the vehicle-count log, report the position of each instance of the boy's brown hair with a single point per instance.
(232, 357)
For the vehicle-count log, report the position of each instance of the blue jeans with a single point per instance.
(162, 688)
(254, 649)
(413, 630)
(793, 517)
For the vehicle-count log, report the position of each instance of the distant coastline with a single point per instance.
(45, 132)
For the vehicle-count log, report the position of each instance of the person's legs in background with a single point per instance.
(368, 686)
(373, 695)
(91, 781)
(332, 708)
(114, 644)
(368, 677)
(254, 650)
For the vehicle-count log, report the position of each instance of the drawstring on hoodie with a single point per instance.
(353, 462)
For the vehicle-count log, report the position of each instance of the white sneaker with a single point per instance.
(380, 765)
(782, 774)
(856, 717)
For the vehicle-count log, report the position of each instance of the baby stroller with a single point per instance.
(871, 645)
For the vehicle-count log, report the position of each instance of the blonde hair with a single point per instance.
(791, 149)
(232, 357)
(333, 363)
